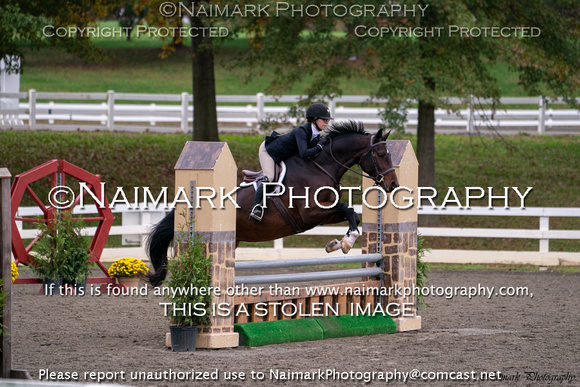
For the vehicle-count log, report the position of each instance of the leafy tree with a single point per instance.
(17, 27)
(419, 58)
(24, 23)
(35, 24)
(128, 16)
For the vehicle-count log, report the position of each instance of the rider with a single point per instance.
(303, 140)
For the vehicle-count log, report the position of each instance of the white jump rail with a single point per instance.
(136, 223)
(110, 111)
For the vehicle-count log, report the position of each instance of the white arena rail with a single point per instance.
(136, 223)
(174, 112)
(544, 233)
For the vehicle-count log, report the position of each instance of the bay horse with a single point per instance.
(346, 144)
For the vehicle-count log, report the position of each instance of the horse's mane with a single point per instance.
(345, 127)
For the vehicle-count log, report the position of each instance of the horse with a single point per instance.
(345, 144)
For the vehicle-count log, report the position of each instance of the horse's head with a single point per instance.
(377, 163)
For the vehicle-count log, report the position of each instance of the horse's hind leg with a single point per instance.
(352, 234)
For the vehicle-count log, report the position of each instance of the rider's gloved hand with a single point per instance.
(323, 140)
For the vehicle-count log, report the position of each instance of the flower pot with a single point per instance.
(183, 338)
(130, 282)
(51, 287)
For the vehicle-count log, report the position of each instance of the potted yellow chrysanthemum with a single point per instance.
(128, 271)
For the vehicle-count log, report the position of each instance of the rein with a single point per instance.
(380, 175)
(326, 172)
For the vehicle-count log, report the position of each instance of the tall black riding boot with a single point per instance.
(257, 209)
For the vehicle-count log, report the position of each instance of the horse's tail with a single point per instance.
(157, 243)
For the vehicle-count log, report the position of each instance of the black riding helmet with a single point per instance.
(318, 110)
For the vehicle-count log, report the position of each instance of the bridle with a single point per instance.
(380, 178)
(380, 175)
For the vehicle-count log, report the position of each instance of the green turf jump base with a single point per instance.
(314, 328)
(349, 325)
(276, 332)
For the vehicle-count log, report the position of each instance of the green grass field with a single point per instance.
(136, 67)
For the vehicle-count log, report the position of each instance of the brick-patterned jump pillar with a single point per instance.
(201, 167)
(397, 237)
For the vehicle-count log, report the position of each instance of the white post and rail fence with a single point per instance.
(136, 223)
(170, 113)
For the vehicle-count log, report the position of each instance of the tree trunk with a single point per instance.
(426, 144)
(426, 155)
(426, 124)
(204, 106)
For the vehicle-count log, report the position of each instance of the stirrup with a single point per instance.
(257, 213)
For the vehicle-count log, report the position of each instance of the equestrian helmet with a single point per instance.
(318, 110)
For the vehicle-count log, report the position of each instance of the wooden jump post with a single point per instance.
(202, 166)
(6, 370)
(6, 267)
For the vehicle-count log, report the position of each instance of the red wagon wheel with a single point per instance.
(56, 202)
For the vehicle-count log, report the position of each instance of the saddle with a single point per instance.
(252, 177)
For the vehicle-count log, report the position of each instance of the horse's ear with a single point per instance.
(378, 136)
(387, 136)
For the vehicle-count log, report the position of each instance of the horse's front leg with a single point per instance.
(351, 235)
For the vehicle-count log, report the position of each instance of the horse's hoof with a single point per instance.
(345, 247)
(333, 245)
(348, 241)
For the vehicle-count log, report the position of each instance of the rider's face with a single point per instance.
(322, 123)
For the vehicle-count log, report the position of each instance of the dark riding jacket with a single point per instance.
(298, 141)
